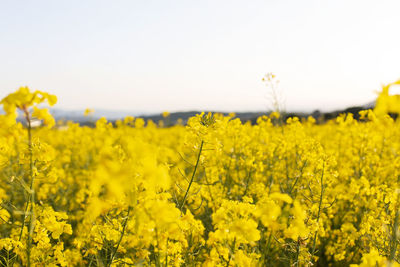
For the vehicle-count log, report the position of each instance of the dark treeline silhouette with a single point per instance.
(182, 117)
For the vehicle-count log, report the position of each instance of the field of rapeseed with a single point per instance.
(217, 192)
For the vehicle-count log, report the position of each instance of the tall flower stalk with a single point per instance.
(24, 100)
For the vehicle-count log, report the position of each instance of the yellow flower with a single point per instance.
(88, 111)
(44, 114)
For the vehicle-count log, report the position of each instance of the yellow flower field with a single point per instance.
(217, 192)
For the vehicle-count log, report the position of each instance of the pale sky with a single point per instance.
(151, 56)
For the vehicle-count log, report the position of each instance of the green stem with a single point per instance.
(297, 252)
(122, 235)
(193, 174)
(319, 210)
(394, 236)
(31, 199)
(268, 245)
(23, 220)
(232, 253)
(158, 262)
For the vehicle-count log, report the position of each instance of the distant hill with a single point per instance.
(77, 115)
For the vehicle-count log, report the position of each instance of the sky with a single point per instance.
(150, 56)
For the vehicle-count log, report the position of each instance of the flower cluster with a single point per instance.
(217, 192)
